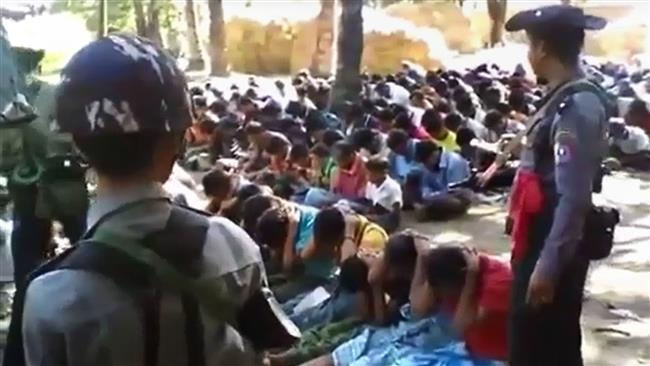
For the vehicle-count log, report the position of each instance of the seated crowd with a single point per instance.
(323, 193)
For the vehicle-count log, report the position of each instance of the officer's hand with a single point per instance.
(540, 290)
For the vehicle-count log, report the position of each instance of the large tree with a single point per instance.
(218, 64)
(194, 47)
(347, 85)
(321, 58)
(497, 12)
(148, 25)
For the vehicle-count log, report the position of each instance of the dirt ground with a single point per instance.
(616, 315)
(616, 312)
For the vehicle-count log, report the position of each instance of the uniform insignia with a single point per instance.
(564, 147)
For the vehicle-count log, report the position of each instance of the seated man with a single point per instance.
(259, 139)
(630, 145)
(401, 158)
(434, 124)
(287, 229)
(474, 289)
(429, 184)
(498, 125)
(385, 195)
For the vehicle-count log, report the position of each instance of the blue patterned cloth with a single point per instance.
(431, 341)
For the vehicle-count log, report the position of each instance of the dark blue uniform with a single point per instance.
(564, 146)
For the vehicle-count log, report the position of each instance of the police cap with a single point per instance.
(554, 15)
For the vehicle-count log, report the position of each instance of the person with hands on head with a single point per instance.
(560, 159)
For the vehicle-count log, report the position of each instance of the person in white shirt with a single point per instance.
(385, 195)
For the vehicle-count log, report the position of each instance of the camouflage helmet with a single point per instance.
(122, 84)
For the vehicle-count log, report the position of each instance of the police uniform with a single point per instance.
(564, 146)
(85, 310)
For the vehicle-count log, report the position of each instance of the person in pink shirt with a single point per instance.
(349, 178)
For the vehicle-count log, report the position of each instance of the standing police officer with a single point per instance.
(561, 157)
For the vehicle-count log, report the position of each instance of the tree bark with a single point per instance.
(497, 12)
(218, 64)
(103, 18)
(153, 22)
(321, 59)
(347, 85)
(140, 20)
(194, 48)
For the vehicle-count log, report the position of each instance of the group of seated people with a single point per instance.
(322, 194)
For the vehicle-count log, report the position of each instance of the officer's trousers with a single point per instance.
(550, 335)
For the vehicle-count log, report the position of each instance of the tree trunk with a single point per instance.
(194, 48)
(218, 64)
(321, 59)
(103, 18)
(153, 22)
(140, 20)
(497, 11)
(347, 85)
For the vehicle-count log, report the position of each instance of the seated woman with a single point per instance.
(348, 180)
(384, 195)
(429, 185)
(322, 166)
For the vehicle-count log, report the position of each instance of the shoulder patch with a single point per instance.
(564, 146)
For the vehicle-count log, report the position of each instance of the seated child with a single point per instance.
(348, 180)
(473, 288)
(217, 185)
(385, 195)
(429, 184)
(232, 208)
(322, 166)
(434, 124)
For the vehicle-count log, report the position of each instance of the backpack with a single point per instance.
(141, 265)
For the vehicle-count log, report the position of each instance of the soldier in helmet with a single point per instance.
(127, 293)
(562, 151)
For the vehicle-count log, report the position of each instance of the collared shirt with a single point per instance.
(351, 183)
(448, 143)
(80, 318)
(400, 165)
(386, 195)
(453, 168)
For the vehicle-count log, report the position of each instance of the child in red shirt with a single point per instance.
(475, 289)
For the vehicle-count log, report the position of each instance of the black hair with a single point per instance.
(465, 105)
(563, 42)
(254, 128)
(252, 209)
(443, 106)
(353, 276)
(216, 182)
(299, 151)
(400, 251)
(432, 121)
(314, 121)
(276, 145)
(504, 108)
(234, 212)
(329, 226)
(321, 150)
(493, 119)
(365, 138)
(517, 100)
(446, 267)
(396, 138)
(403, 121)
(120, 155)
(271, 228)
(638, 108)
(454, 121)
(200, 101)
(385, 115)
(344, 148)
(331, 137)
(377, 164)
(424, 150)
(219, 107)
(464, 136)
(491, 96)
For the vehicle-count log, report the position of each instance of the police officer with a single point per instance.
(563, 149)
(127, 106)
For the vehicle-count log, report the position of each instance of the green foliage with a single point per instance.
(121, 15)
